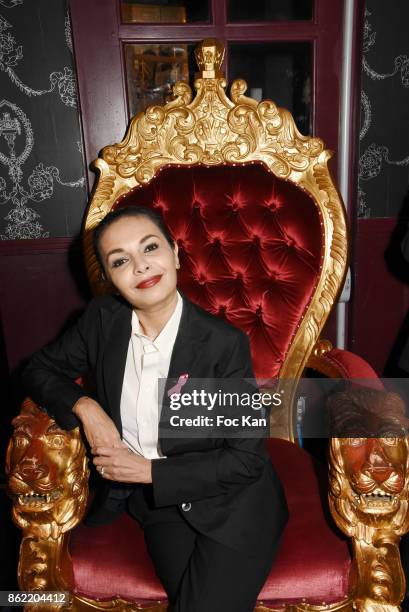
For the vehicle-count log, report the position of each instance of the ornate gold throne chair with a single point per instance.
(262, 237)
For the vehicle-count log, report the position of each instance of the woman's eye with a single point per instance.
(151, 247)
(118, 262)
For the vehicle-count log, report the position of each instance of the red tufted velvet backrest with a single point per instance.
(250, 248)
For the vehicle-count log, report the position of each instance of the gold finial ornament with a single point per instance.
(209, 57)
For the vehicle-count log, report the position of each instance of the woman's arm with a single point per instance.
(49, 379)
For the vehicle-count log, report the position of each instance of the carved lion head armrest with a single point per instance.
(47, 473)
(48, 483)
(369, 489)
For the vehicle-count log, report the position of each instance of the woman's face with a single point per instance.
(139, 261)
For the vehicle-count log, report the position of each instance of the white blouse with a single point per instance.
(147, 360)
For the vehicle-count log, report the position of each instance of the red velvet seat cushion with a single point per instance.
(111, 560)
(312, 563)
(250, 248)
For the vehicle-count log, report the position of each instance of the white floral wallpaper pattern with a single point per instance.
(384, 135)
(42, 184)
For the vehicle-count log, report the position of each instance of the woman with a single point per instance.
(212, 509)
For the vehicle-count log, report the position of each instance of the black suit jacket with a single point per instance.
(234, 492)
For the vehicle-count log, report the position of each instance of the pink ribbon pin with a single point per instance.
(181, 381)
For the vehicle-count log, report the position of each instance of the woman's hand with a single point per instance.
(122, 465)
(99, 429)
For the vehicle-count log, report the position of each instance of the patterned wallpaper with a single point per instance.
(42, 184)
(384, 136)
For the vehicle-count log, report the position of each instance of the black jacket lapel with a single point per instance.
(117, 324)
(186, 350)
(186, 358)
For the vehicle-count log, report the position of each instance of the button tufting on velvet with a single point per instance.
(159, 206)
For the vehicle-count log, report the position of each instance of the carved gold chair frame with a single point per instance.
(212, 129)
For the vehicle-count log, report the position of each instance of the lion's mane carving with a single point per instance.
(48, 474)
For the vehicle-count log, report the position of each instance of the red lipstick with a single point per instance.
(149, 282)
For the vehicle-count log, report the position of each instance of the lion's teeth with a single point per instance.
(34, 498)
(377, 497)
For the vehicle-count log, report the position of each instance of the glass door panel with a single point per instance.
(165, 11)
(279, 71)
(269, 10)
(152, 69)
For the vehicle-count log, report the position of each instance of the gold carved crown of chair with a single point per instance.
(262, 236)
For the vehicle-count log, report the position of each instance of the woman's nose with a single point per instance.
(141, 266)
